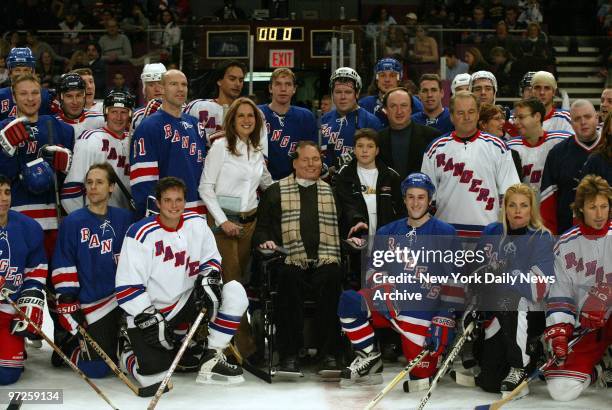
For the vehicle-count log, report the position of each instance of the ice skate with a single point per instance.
(216, 369)
(515, 376)
(366, 369)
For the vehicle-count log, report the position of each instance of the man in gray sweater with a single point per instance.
(116, 47)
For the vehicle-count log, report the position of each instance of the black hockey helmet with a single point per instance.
(120, 99)
(526, 81)
(70, 81)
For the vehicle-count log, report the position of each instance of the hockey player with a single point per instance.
(90, 90)
(388, 74)
(427, 323)
(152, 89)
(525, 89)
(433, 114)
(339, 125)
(519, 245)
(109, 143)
(72, 96)
(210, 112)
(21, 61)
(286, 124)
(22, 276)
(581, 295)
(24, 140)
(484, 85)
(470, 168)
(168, 143)
(544, 87)
(84, 266)
(169, 268)
(535, 143)
(461, 82)
(562, 169)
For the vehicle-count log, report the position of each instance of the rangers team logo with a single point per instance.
(9, 273)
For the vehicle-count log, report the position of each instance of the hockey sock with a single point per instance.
(360, 332)
(224, 326)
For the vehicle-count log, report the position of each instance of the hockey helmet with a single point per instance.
(20, 57)
(118, 99)
(483, 74)
(70, 81)
(152, 72)
(389, 64)
(418, 180)
(526, 81)
(460, 80)
(344, 74)
(37, 176)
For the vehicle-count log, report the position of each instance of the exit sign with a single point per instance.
(282, 58)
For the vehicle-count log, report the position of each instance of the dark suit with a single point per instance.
(420, 138)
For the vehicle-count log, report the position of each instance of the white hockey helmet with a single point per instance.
(152, 72)
(460, 80)
(483, 74)
(343, 74)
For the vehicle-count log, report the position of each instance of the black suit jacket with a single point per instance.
(420, 139)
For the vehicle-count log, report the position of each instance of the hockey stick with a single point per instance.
(449, 359)
(510, 396)
(125, 192)
(177, 358)
(56, 348)
(236, 353)
(139, 391)
(15, 404)
(58, 204)
(411, 365)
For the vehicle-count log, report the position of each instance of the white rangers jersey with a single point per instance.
(533, 157)
(98, 106)
(89, 120)
(91, 147)
(210, 114)
(158, 265)
(558, 120)
(583, 258)
(470, 176)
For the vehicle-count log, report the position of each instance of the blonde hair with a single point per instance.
(589, 188)
(535, 219)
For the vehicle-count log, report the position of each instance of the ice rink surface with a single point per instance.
(308, 393)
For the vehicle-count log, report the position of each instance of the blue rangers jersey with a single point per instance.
(137, 117)
(442, 122)
(339, 132)
(162, 146)
(284, 133)
(40, 207)
(22, 256)
(373, 105)
(9, 109)
(159, 265)
(85, 258)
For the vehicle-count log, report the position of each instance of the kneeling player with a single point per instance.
(168, 270)
(426, 323)
(84, 267)
(23, 271)
(582, 293)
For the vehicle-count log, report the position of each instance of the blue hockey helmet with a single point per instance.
(20, 57)
(418, 180)
(37, 176)
(389, 64)
(71, 81)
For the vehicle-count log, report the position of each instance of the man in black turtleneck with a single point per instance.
(403, 142)
(299, 213)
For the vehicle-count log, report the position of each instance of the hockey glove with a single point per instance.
(13, 134)
(477, 318)
(155, 329)
(597, 303)
(441, 334)
(31, 302)
(152, 107)
(70, 314)
(383, 303)
(208, 293)
(557, 338)
(59, 157)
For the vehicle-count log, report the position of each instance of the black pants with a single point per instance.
(323, 285)
(151, 359)
(104, 332)
(497, 354)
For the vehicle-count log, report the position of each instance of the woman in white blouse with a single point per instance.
(233, 171)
